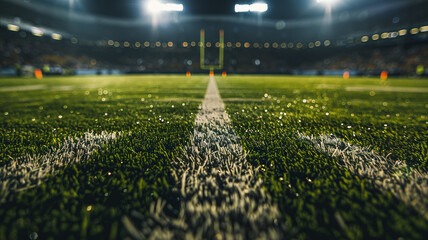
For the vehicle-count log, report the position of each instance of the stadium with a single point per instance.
(185, 119)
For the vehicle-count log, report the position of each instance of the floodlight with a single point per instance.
(12, 27)
(326, 1)
(173, 7)
(402, 32)
(258, 7)
(36, 32)
(56, 36)
(242, 7)
(155, 6)
(255, 7)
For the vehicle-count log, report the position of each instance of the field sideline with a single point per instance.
(338, 158)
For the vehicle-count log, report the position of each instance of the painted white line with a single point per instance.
(36, 87)
(374, 88)
(387, 89)
(30, 170)
(408, 185)
(23, 88)
(221, 196)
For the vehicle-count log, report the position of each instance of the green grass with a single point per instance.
(317, 197)
(87, 200)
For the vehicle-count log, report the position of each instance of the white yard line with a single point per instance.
(387, 89)
(23, 88)
(375, 88)
(221, 196)
(37, 87)
(408, 185)
(30, 170)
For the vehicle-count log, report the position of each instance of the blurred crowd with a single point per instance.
(403, 60)
(18, 50)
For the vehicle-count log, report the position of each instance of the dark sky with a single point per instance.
(278, 9)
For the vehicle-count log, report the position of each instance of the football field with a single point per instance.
(168, 156)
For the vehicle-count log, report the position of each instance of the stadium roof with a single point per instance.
(287, 20)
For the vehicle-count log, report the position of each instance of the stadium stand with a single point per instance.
(64, 57)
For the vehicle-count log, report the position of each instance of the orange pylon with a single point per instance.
(384, 75)
(38, 73)
(346, 75)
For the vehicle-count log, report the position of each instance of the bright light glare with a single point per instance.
(56, 36)
(255, 7)
(173, 7)
(156, 7)
(242, 7)
(326, 1)
(12, 27)
(258, 7)
(36, 32)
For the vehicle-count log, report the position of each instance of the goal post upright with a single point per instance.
(221, 50)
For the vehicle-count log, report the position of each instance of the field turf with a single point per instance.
(318, 198)
(87, 200)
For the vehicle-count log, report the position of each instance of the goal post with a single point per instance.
(202, 52)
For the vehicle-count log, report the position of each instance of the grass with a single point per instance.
(87, 200)
(317, 197)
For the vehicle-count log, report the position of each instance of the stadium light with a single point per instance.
(36, 32)
(329, 2)
(12, 27)
(242, 8)
(56, 36)
(155, 7)
(258, 7)
(255, 7)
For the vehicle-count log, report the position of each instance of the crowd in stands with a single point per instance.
(20, 49)
(396, 59)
